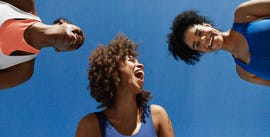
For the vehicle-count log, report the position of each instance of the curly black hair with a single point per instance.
(104, 74)
(176, 44)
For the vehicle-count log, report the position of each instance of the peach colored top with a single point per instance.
(13, 23)
(12, 36)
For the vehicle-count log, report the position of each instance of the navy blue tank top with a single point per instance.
(146, 130)
(257, 34)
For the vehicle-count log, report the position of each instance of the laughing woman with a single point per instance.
(248, 40)
(116, 80)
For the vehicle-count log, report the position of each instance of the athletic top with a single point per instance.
(13, 23)
(257, 34)
(146, 130)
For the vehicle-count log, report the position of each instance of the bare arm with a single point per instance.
(16, 75)
(25, 5)
(162, 122)
(88, 127)
(252, 10)
(243, 74)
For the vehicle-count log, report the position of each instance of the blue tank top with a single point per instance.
(257, 34)
(146, 130)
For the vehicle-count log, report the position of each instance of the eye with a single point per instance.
(200, 32)
(131, 58)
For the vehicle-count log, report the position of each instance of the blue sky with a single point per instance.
(205, 100)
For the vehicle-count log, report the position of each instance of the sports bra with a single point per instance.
(257, 34)
(13, 23)
(147, 128)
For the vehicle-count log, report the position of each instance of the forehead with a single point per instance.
(189, 35)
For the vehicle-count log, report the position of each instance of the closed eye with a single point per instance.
(200, 33)
(131, 58)
(195, 45)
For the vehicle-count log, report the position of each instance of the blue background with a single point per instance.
(205, 100)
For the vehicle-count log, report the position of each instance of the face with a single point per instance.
(71, 37)
(131, 71)
(203, 38)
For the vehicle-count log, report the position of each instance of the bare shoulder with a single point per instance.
(88, 126)
(162, 122)
(157, 109)
(158, 113)
(252, 10)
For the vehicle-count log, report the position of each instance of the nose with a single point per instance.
(80, 38)
(139, 65)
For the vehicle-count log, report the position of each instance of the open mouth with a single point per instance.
(139, 74)
(211, 41)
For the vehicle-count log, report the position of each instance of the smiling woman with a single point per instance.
(248, 40)
(203, 38)
(23, 35)
(116, 80)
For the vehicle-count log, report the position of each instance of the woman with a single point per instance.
(248, 41)
(23, 35)
(116, 80)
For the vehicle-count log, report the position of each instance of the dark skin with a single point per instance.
(25, 5)
(62, 36)
(232, 41)
(13, 76)
(125, 115)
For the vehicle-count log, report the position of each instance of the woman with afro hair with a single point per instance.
(116, 80)
(247, 41)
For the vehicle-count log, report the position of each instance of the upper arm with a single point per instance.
(247, 76)
(16, 75)
(162, 121)
(252, 10)
(88, 127)
(25, 5)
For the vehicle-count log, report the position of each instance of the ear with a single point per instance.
(207, 24)
(56, 50)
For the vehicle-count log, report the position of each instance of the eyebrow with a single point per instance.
(195, 44)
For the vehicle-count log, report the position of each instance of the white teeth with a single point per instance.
(211, 41)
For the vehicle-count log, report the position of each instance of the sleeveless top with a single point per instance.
(11, 35)
(146, 130)
(257, 34)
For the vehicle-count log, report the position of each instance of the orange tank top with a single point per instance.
(12, 36)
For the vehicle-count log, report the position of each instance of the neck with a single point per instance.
(124, 115)
(125, 104)
(231, 42)
(40, 35)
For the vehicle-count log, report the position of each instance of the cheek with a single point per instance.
(220, 39)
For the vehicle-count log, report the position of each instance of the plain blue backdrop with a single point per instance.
(205, 100)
